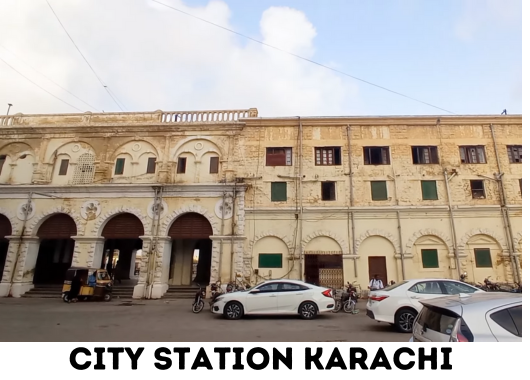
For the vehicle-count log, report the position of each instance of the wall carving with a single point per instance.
(34, 225)
(168, 221)
(385, 234)
(517, 240)
(480, 231)
(427, 232)
(12, 220)
(103, 219)
(195, 146)
(151, 212)
(90, 210)
(341, 242)
(228, 208)
(21, 210)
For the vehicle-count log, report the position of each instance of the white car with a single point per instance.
(276, 297)
(399, 304)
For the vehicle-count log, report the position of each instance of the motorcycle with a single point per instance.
(216, 292)
(346, 300)
(198, 302)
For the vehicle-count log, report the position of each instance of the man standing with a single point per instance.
(376, 283)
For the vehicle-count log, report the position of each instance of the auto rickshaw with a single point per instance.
(100, 290)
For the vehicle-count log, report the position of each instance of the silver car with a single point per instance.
(478, 317)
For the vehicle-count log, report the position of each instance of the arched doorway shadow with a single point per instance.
(122, 247)
(56, 249)
(5, 230)
(191, 250)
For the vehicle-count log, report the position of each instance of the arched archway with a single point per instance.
(378, 257)
(122, 249)
(270, 257)
(485, 259)
(5, 230)
(191, 250)
(431, 258)
(56, 249)
(323, 261)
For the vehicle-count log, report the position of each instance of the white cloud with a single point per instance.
(155, 58)
(479, 15)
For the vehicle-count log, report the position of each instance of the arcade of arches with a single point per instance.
(5, 230)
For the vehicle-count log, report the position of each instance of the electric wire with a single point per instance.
(42, 88)
(305, 59)
(38, 72)
(82, 55)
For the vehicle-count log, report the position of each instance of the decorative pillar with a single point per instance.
(140, 289)
(161, 267)
(25, 266)
(5, 284)
(93, 246)
(216, 258)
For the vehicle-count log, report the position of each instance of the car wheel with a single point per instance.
(404, 320)
(233, 310)
(308, 310)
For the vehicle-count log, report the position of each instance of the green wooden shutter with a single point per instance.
(278, 191)
(120, 164)
(429, 258)
(429, 190)
(270, 260)
(483, 258)
(379, 192)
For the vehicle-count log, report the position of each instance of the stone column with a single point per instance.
(161, 268)
(94, 246)
(12, 251)
(141, 286)
(216, 258)
(25, 266)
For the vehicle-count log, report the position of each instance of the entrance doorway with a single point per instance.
(56, 249)
(191, 250)
(5, 230)
(377, 265)
(324, 270)
(122, 243)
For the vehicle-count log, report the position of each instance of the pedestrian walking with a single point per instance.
(376, 283)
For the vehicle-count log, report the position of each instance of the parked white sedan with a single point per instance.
(399, 304)
(276, 297)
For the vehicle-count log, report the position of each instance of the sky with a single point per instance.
(458, 56)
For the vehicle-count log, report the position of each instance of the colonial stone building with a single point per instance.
(172, 198)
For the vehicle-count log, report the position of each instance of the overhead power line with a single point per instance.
(82, 55)
(37, 71)
(304, 58)
(43, 89)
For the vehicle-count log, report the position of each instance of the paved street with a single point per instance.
(24, 320)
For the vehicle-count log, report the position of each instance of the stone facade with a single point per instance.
(93, 167)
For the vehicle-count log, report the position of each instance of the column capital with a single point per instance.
(24, 238)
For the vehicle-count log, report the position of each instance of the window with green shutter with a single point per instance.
(429, 190)
(279, 191)
(379, 192)
(429, 258)
(483, 258)
(270, 260)
(120, 165)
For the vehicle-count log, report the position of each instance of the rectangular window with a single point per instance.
(2, 162)
(477, 189)
(483, 258)
(181, 165)
(151, 165)
(379, 191)
(429, 190)
(328, 191)
(120, 166)
(376, 155)
(63, 169)
(279, 191)
(424, 155)
(429, 258)
(279, 157)
(214, 165)
(515, 154)
(270, 260)
(328, 156)
(473, 154)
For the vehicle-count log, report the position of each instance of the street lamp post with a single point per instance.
(9, 105)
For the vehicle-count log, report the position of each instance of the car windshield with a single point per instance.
(391, 287)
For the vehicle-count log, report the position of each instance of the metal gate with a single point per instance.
(324, 269)
(123, 226)
(191, 226)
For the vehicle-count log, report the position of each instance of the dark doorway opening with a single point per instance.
(377, 265)
(324, 270)
(191, 251)
(122, 242)
(56, 249)
(5, 230)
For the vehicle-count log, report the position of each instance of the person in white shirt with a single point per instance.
(376, 283)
